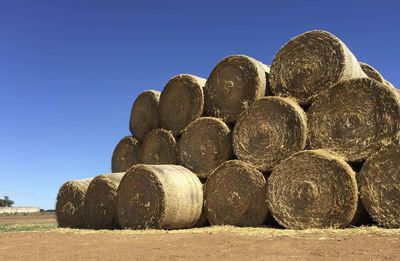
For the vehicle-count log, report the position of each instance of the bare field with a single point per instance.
(43, 241)
(34, 218)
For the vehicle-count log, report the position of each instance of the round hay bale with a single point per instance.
(313, 189)
(390, 84)
(159, 196)
(204, 145)
(354, 118)
(379, 185)
(70, 203)
(145, 114)
(371, 72)
(271, 130)
(158, 147)
(181, 102)
(235, 194)
(234, 83)
(125, 154)
(100, 201)
(311, 63)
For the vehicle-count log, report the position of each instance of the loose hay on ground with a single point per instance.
(246, 231)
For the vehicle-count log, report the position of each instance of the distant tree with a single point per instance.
(6, 202)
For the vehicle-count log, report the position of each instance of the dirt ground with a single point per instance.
(216, 243)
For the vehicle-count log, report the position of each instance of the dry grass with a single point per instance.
(265, 232)
(248, 231)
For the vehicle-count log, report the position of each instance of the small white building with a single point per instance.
(11, 210)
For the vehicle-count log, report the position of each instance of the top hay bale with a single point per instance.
(311, 63)
(145, 114)
(234, 83)
(70, 210)
(181, 102)
(354, 118)
(379, 185)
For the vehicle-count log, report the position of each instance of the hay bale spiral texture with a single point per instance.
(313, 189)
(181, 102)
(371, 72)
(354, 118)
(204, 145)
(70, 203)
(145, 114)
(234, 83)
(100, 201)
(159, 196)
(235, 194)
(158, 147)
(379, 185)
(271, 130)
(311, 63)
(125, 154)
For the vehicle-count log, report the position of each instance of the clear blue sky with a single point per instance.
(70, 70)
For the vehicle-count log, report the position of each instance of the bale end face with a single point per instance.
(145, 114)
(100, 202)
(181, 102)
(313, 189)
(235, 194)
(234, 83)
(70, 203)
(379, 186)
(354, 118)
(158, 147)
(271, 130)
(125, 154)
(205, 144)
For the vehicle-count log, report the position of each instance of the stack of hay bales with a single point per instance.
(312, 141)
